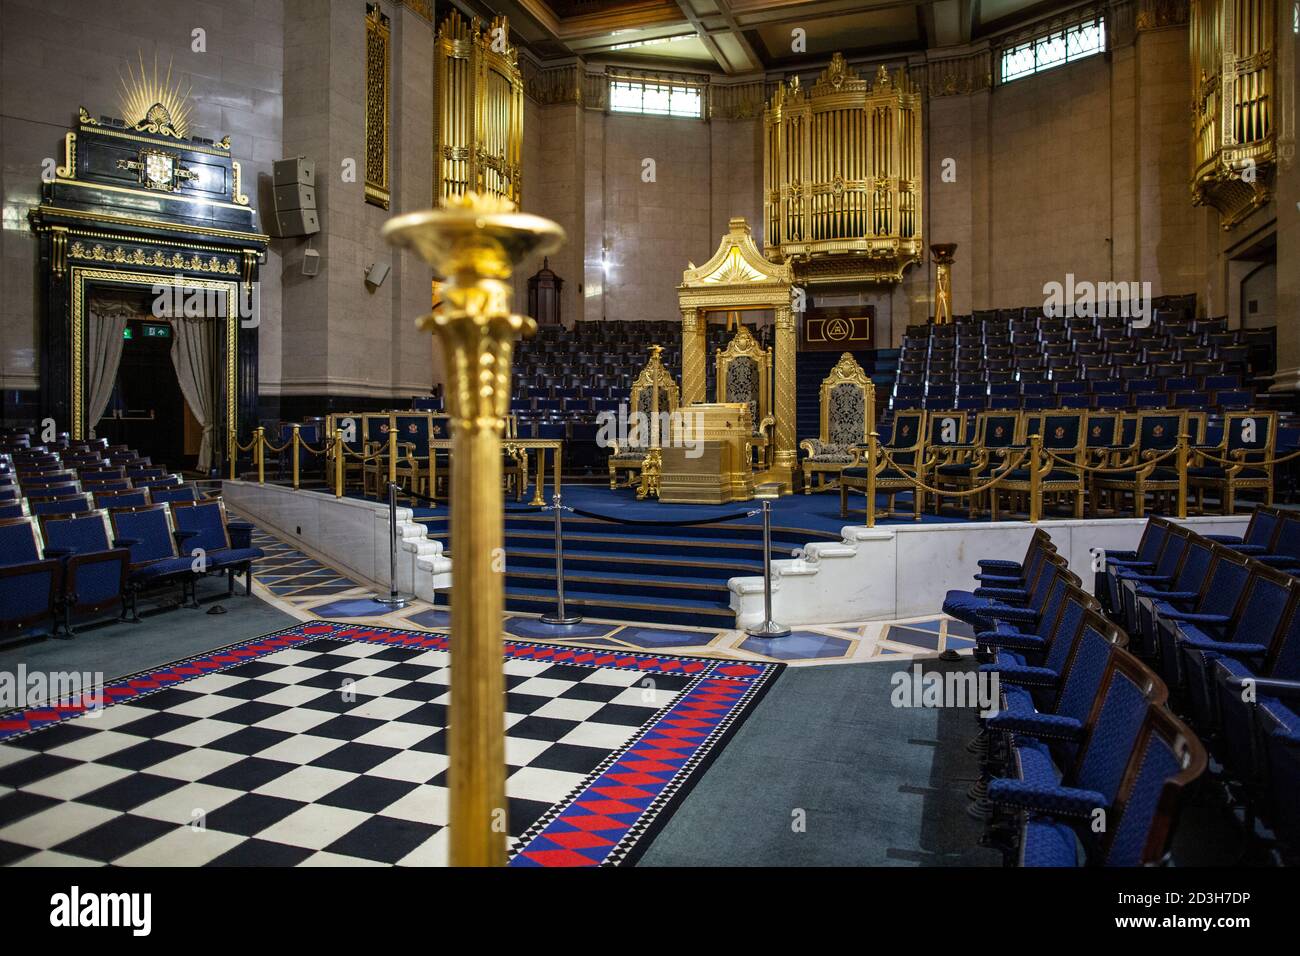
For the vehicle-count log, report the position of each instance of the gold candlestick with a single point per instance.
(476, 241)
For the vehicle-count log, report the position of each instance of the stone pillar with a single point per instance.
(693, 357)
(784, 460)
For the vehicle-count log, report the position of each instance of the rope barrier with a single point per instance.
(1117, 470)
(310, 450)
(1265, 463)
(948, 493)
(667, 524)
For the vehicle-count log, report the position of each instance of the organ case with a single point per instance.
(842, 175)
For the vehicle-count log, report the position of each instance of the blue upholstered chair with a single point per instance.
(29, 582)
(94, 572)
(203, 525)
(148, 534)
(1211, 613)
(173, 493)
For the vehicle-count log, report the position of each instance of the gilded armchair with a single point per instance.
(848, 416)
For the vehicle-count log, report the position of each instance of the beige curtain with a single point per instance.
(108, 318)
(192, 354)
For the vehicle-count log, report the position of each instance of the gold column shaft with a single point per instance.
(785, 459)
(476, 241)
(476, 731)
(693, 356)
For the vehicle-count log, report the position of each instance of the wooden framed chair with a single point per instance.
(1156, 433)
(1249, 440)
(948, 440)
(906, 446)
(744, 374)
(653, 379)
(1063, 434)
(994, 432)
(848, 416)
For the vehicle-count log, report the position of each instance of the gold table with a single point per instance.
(511, 446)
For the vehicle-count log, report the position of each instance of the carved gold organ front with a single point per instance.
(842, 175)
(1233, 105)
(479, 126)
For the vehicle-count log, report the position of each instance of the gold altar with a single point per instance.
(707, 460)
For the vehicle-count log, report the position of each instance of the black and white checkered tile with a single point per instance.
(330, 752)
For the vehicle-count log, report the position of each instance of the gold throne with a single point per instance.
(848, 416)
(655, 381)
(745, 376)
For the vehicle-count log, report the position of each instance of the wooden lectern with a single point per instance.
(707, 459)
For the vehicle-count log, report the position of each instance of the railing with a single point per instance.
(1039, 462)
(336, 453)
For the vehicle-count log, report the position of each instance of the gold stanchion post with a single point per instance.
(234, 457)
(259, 451)
(338, 463)
(873, 454)
(1183, 441)
(1035, 477)
(392, 453)
(476, 241)
(297, 440)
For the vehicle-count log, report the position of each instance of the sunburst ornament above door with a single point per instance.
(153, 105)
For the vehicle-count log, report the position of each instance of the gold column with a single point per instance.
(693, 356)
(476, 241)
(943, 253)
(785, 461)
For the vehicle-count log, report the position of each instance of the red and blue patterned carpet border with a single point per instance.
(607, 820)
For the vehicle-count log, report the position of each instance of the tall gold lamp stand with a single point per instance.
(476, 242)
(943, 253)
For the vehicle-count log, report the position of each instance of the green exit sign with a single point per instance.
(126, 333)
(157, 331)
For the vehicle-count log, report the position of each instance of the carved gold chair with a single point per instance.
(745, 375)
(906, 446)
(1063, 435)
(1156, 433)
(961, 467)
(848, 416)
(629, 455)
(1249, 441)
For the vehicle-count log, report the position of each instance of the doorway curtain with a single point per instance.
(105, 333)
(193, 356)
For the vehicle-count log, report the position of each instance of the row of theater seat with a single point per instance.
(74, 554)
(1105, 701)
(1219, 618)
(1082, 761)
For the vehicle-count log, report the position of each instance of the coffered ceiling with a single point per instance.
(743, 36)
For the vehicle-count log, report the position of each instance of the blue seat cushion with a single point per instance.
(232, 556)
(167, 567)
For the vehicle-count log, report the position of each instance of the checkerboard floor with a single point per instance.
(331, 751)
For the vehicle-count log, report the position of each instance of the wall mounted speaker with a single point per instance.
(376, 274)
(296, 222)
(300, 169)
(295, 196)
(310, 262)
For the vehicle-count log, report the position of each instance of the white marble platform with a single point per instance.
(901, 571)
(350, 534)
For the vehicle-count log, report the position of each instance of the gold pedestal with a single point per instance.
(476, 242)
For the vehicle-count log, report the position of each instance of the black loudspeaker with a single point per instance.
(294, 197)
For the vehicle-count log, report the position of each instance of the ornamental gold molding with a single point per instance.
(553, 86)
(156, 258)
(378, 61)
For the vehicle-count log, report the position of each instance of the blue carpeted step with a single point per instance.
(641, 609)
(581, 560)
(654, 549)
(626, 585)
